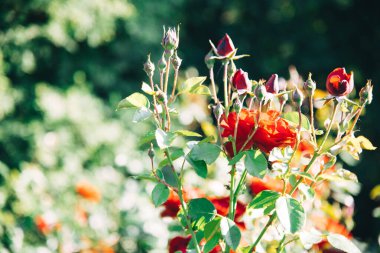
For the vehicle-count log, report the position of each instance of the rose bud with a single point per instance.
(339, 83)
(209, 61)
(170, 39)
(297, 97)
(149, 67)
(365, 93)
(241, 82)
(309, 86)
(225, 46)
(176, 61)
(238, 105)
(218, 110)
(260, 92)
(272, 85)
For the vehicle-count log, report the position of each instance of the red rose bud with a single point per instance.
(170, 39)
(225, 46)
(365, 93)
(272, 85)
(339, 83)
(241, 82)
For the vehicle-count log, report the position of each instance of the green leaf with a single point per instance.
(201, 207)
(290, 214)
(292, 180)
(200, 90)
(256, 163)
(163, 138)
(189, 83)
(230, 232)
(187, 133)
(168, 176)
(212, 234)
(149, 137)
(236, 158)
(293, 117)
(136, 100)
(342, 243)
(174, 155)
(141, 114)
(309, 238)
(200, 167)
(205, 152)
(265, 199)
(160, 194)
(212, 228)
(147, 89)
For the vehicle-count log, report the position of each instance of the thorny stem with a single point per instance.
(311, 105)
(167, 128)
(167, 76)
(157, 115)
(162, 80)
(213, 85)
(225, 81)
(174, 84)
(253, 247)
(329, 127)
(183, 204)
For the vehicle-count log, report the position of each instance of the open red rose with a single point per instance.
(225, 46)
(272, 131)
(241, 82)
(339, 83)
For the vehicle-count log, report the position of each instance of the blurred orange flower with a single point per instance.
(88, 191)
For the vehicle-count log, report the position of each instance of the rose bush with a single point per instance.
(283, 189)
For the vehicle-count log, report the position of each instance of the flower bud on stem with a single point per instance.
(176, 61)
(225, 81)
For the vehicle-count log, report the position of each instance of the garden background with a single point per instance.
(64, 65)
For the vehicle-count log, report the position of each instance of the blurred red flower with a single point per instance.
(272, 131)
(222, 205)
(339, 83)
(88, 191)
(258, 185)
(179, 244)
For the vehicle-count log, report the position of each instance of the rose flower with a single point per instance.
(339, 83)
(241, 82)
(225, 46)
(272, 131)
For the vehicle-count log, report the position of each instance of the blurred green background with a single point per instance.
(64, 65)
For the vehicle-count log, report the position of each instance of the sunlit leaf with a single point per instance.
(342, 243)
(136, 100)
(230, 232)
(290, 214)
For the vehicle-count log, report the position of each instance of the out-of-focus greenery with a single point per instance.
(65, 64)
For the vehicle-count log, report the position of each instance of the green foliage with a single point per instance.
(160, 194)
(206, 152)
(294, 118)
(201, 208)
(290, 213)
(265, 199)
(230, 232)
(256, 163)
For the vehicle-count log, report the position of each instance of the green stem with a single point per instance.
(253, 247)
(213, 85)
(183, 204)
(167, 76)
(225, 81)
(238, 188)
(312, 117)
(281, 245)
(329, 127)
